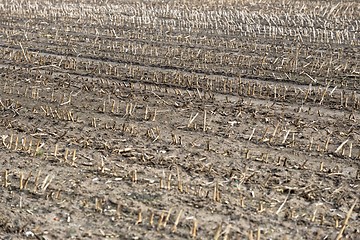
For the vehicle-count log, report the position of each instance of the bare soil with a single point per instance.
(178, 120)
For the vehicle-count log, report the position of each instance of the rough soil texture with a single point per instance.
(178, 120)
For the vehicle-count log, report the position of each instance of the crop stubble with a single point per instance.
(224, 120)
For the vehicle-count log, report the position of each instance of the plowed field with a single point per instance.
(179, 119)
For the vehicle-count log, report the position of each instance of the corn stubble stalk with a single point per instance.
(160, 222)
(10, 142)
(341, 146)
(27, 180)
(251, 235)
(346, 220)
(216, 193)
(194, 228)
(66, 155)
(167, 217)
(204, 122)
(140, 219)
(192, 119)
(151, 218)
(118, 210)
(56, 150)
(48, 179)
(134, 176)
(177, 220)
(16, 143)
(218, 231)
(161, 181)
(73, 159)
(21, 181)
(180, 185)
(169, 182)
(36, 182)
(258, 234)
(282, 205)
(242, 201)
(146, 116)
(252, 134)
(98, 205)
(6, 178)
(227, 232)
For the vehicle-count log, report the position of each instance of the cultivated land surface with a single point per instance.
(179, 119)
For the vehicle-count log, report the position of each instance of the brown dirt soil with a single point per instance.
(179, 119)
